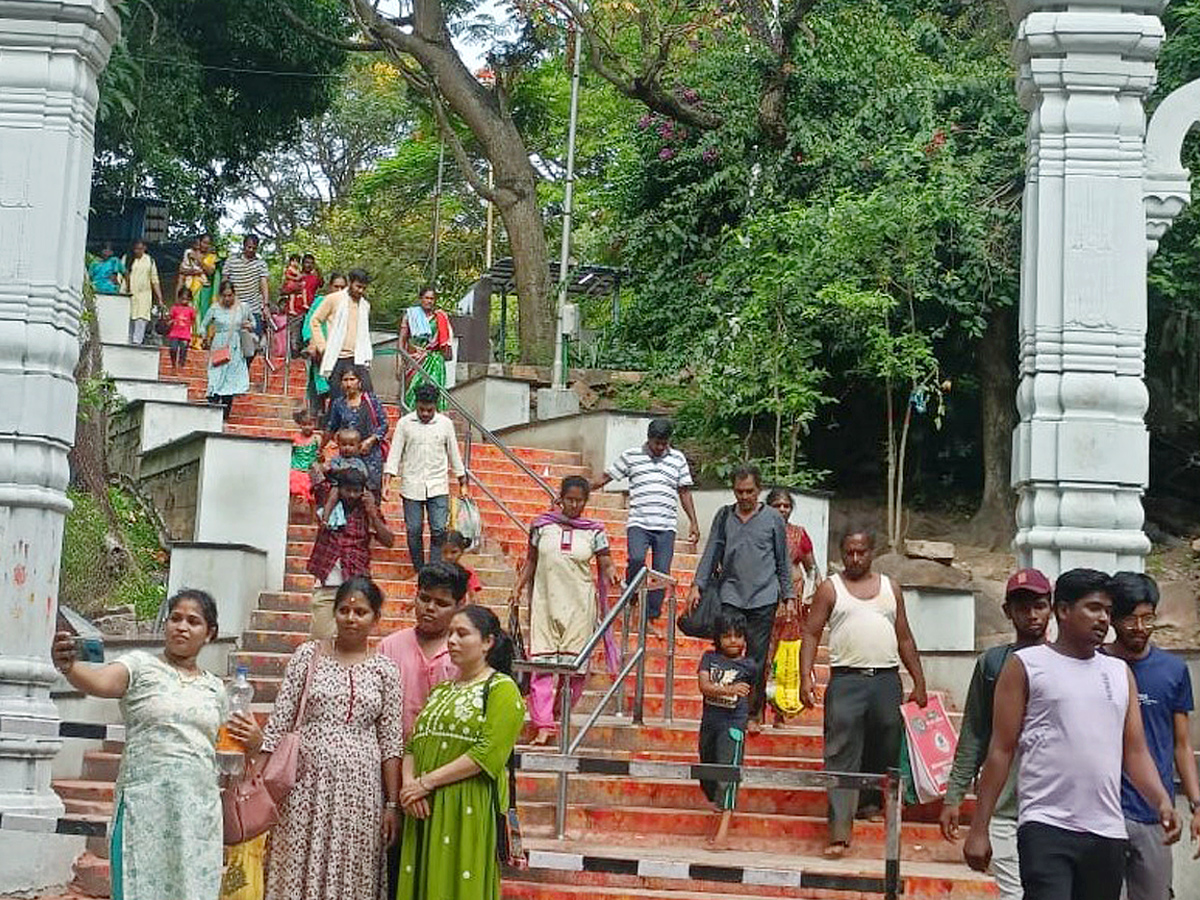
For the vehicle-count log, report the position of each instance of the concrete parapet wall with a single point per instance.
(124, 361)
(234, 574)
(496, 402)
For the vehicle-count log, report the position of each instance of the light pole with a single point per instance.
(559, 377)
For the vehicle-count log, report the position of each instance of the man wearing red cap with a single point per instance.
(1027, 606)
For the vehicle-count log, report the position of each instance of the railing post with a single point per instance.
(893, 803)
(639, 701)
(564, 749)
(669, 690)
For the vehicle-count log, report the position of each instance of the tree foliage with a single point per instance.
(195, 94)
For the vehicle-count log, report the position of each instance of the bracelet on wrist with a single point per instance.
(425, 787)
(1193, 806)
(391, 804)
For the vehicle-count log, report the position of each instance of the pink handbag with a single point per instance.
(250, 805)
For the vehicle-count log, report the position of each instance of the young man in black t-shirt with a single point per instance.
(726, 677)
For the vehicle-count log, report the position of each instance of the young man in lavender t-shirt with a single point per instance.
(1073, 715)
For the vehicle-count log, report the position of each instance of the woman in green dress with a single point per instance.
(426, 334)
(454, 770)
(166, 833)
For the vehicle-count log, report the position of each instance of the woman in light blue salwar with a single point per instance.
(166, 841)
(225, 321)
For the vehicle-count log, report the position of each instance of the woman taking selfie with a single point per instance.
(166, 832)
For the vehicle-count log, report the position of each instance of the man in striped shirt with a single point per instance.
(659, 481)
(251, 280)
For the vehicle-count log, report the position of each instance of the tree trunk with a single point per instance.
(994, 522)
(536, 303)
(772, 105)
(491, 124)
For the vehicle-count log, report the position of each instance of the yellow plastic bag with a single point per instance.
(784, 691)
(244, 870)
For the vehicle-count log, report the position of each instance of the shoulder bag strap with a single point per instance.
(312, 666)
(718, 535)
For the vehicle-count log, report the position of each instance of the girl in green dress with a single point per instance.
(166, 833)
(454, 771)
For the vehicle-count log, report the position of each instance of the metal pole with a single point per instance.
(669, 691)
(891, 878)
(564, 262)
(437, 212)
(491, 222)
(564, 748)
(639, 701)
(503, 326)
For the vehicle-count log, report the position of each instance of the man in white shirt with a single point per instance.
(424, 450)
(348, 342)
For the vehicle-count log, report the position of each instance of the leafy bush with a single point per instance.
(94, 576)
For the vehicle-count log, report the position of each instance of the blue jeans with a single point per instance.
(661, 544)
(414, 527)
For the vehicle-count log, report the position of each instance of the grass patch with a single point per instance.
(92, 579)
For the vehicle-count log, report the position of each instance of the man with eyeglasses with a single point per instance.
(1165, 699)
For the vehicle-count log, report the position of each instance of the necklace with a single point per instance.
(184, 673)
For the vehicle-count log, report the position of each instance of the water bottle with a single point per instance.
(231, 753)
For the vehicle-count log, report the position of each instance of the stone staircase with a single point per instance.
(775, 828)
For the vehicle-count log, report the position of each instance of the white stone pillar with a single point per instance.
(51, 54)
(1080, 450)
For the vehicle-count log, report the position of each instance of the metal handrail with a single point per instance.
(645, 579)
(500, 503)
(488, 436)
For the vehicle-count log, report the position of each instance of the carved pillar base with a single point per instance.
(51, 54)
(1080, 450)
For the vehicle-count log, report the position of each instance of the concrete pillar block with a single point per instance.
(554, 403)
(234, 574)
(1081, 450)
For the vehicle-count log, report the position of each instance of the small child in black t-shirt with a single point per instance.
(726, 677)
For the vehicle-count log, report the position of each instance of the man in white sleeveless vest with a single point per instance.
(868, 639)
(1072, 714)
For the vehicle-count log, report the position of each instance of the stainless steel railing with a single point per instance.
(567, 666)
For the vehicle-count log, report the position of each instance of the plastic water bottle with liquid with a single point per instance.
(231, 753)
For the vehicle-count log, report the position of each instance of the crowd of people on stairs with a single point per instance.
(225, 307)
(401, 779)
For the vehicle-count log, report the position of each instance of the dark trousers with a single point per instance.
(1057, 864)
(179, 349)
(393, 861)
(759, 623)
(414, 528)
(721, 744)
(863, 728)
(335, 377)
(661, 546)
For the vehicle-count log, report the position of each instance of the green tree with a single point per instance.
(199, 89)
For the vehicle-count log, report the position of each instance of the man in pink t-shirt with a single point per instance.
(420, 653)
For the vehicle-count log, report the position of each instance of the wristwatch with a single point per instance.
(1193, 805)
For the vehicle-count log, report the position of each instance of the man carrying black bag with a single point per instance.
(747, 546)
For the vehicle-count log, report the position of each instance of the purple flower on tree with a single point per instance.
(666, 153)
(709, 154)
(645, 121)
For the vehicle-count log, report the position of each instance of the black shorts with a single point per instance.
(1057, 864)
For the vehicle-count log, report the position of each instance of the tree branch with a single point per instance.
(317, 34)
(478, 185)
(643, 86)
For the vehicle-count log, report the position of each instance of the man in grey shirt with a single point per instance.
(747, 555)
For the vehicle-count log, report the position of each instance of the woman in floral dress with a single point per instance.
(166, 834)
(455, 775)
(334, 825)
